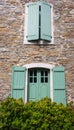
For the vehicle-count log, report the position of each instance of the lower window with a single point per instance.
(36, 83)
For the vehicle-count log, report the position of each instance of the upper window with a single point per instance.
(39, 21)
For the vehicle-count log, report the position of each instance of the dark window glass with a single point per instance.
(31, 73)
(46, 80)
(46, 73)
(31, 80)
(35, 73)
(42, 73)
(39, 8)
(35, 80)
(42, 80)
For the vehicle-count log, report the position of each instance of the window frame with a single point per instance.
(39, 65)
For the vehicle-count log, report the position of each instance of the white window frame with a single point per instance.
(39, 65)
(26, 25)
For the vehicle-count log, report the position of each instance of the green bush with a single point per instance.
(40, 115)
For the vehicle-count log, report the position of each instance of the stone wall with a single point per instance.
(14, 52)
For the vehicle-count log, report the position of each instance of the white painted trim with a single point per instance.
(26, 85)
(39, 65)
(52, 27)
(51, 84)
(26, 25)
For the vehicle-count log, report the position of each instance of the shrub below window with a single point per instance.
(40, 115)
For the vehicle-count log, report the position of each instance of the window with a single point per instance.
(44, 76)
(33, 76)
(39, 22)
(36, 83)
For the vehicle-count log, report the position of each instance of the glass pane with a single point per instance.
(35, 80)
(46, 80)
(31, 80)
(35, 73)
(42, 73)
(46, 73)
(31, 73)
(39, 8)
(42, 80)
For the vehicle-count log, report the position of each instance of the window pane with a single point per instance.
(35, 73)
(46, 80)
(40, 8)
(31, 80)
(35, 80)
(42, 80)
(31, 73)
(42, 73)
(46, 73)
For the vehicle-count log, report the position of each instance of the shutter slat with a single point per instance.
(59, 93)
(18, 82)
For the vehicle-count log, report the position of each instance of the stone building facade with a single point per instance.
(13, 50)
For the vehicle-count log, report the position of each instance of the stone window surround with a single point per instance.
(25, 29)
(39, 65)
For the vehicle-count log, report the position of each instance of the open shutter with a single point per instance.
(59, 94)
(46, 21)
(33, 21)
(18, 82)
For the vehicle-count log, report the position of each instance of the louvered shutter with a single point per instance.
(59, 93)
(45, 21)
(33, 21)
(18, 82)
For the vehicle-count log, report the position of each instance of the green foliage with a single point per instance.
(40, 115)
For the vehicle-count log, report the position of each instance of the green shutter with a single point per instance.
(59, 94)
(39, 21)
(18, 82)
(45, 21)
(33, 21)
